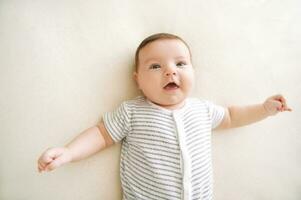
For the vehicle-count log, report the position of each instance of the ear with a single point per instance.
(135, 77)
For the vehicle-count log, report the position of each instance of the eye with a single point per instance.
(155, 66)
(181, 64)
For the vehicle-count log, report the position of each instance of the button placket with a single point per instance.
(186, 164)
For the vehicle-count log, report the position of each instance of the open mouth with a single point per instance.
(171, 86)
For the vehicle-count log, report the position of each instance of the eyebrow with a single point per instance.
(148, 60)
(153, 59)
(181, 57)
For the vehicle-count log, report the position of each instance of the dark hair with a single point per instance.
(152, 38)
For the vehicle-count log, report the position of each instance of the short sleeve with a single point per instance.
(216, 113)
(117, 122)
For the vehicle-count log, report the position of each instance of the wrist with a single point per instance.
(265, 109)
(69, 152)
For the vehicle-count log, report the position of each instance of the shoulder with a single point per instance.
(204, 105)
(133, 104)
(139, 100)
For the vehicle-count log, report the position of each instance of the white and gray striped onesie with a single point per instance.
(166, 154)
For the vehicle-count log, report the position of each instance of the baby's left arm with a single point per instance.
(236, 116)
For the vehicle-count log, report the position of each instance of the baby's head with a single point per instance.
(163, 70)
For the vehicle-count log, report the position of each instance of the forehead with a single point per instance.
(163, 48)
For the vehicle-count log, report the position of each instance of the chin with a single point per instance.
(174, 101)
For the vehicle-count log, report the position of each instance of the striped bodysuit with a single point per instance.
(166, 154)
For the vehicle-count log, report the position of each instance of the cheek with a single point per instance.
(152, 78)
(148, 82)
(189, 78)
(192, 80)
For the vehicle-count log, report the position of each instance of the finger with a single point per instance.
(282, 100)
(55, 152)
(42, 163)
(277, 96)
(280, 97)
(50, 155)
(45, 159)
(284, 104)
(285, 107)
(278, 105)
(53, 165)
(40, 168)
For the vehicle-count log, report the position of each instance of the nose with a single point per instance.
(170, 70)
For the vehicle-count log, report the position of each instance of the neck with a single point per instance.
(172, 106)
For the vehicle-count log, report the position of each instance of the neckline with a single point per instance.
(165, 109)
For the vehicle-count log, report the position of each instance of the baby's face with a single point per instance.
(165, 73)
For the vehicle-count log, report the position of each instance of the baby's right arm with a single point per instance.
(84, 145)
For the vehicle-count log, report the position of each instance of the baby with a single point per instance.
(165, 135)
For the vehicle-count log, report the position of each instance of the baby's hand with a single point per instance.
(53, 158)
(275, 104)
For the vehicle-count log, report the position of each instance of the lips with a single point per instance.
(171, 86)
